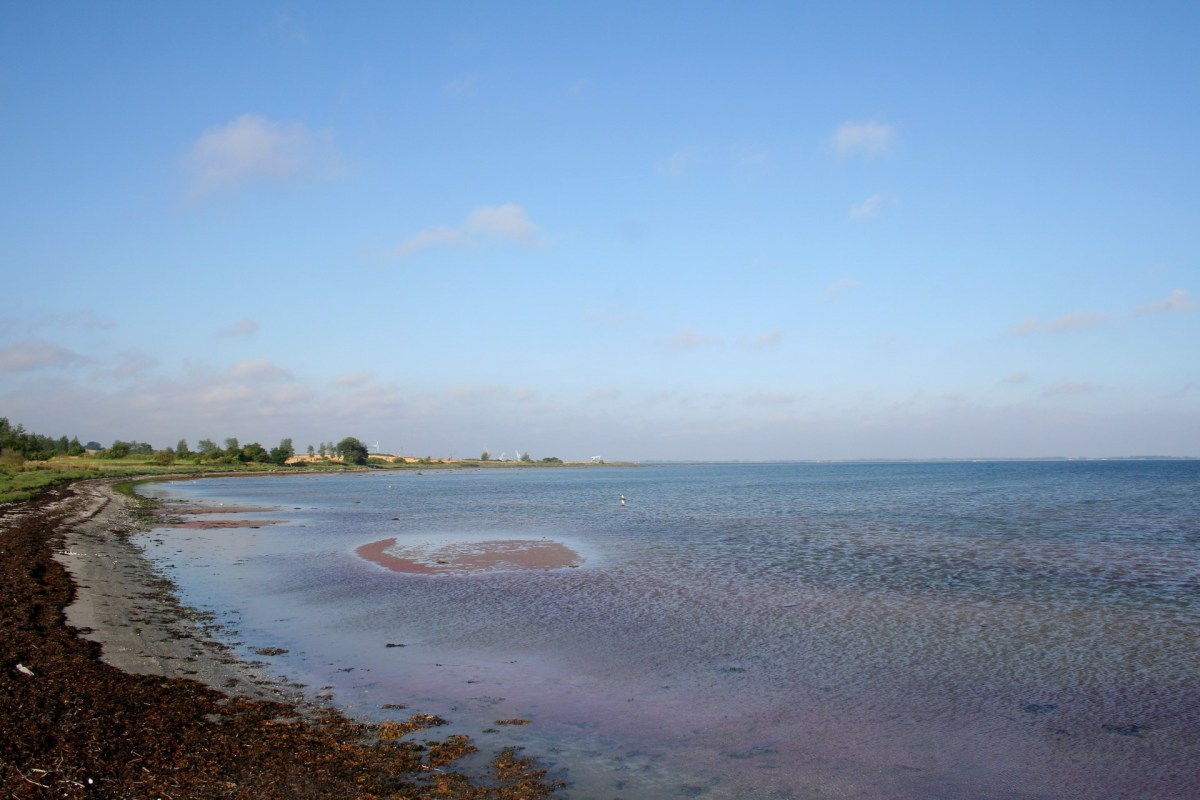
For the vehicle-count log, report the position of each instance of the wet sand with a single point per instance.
(126, 607)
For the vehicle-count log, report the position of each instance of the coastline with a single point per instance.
(111, 688)
(124, 605)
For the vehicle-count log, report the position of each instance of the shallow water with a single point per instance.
(1017, 630)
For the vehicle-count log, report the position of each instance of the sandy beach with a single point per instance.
(110, 688)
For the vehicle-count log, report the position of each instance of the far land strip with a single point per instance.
(110, 688)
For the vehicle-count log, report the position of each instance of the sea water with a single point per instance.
(948, 630)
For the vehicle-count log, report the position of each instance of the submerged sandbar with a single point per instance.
(461, 557)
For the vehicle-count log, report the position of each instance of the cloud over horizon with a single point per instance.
(33, 354)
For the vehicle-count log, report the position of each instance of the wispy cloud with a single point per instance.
(753, 157)
(772, 399)
(353, 379)
(1068, 388)
(1016, 378)
(463, 86)
(1178, 394)
(685, 339)
(1177, 301)
(133, 362)
(867, 140)
(485, 225)
(766, 339)
(258, 369)
(252, 149)
(1077, 321)
(242, 328)
(289, 28)
(838, 288)
(35, 354)
(679, 162)
(870, 207)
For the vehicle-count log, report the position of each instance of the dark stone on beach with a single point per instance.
(393, 644)
(1038, 708)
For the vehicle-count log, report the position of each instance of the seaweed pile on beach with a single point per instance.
(74, 726)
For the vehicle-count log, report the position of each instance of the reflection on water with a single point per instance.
(910, 630)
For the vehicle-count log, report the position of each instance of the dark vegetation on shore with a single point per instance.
(74, 726)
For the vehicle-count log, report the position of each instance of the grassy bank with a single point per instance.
(22, 481)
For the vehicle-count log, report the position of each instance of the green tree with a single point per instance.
(352, 451)
(526, 458)
(485, 456)
(181, 449)
(164, 457)
(118, 449)
(280, 454)
(255, 452)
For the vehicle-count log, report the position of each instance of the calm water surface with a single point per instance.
(990, 630)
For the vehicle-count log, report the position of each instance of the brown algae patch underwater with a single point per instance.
(474, 556)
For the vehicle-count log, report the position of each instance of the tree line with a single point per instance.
(18, 444)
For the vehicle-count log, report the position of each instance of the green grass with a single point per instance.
(19, 482)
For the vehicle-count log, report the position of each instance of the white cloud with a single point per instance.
(1016, 378)
(1076, 321)
(1177, 301)
(484, 225)
(870, 207)
(243, 327)
(252, 149)
(34, 354)
(866, 139)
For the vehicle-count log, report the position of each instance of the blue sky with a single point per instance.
(641, 231)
